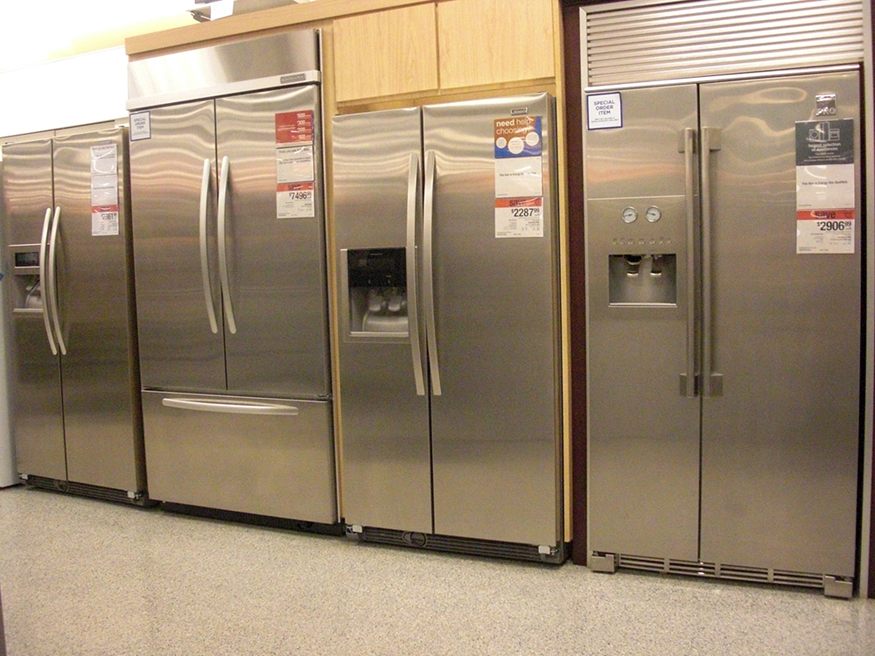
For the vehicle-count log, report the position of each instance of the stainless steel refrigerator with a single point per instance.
(446, 238)
(724, 285)
(76, 416)
(231, 281)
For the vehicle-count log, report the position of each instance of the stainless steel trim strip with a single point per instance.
(205, 263)
(239, 408)
(44, 280)
(428, 273)
(412, 282)
(53, 281)
(223, 246)
(689, 145)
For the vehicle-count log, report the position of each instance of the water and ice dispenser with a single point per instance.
(26, 288)
(377, 292)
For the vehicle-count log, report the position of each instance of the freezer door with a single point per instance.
(495, 397)
(384, 421)
(36, 403)
(272, 457)
(780, 444)
(95, 297)
(271, 233)
(643, 428)
(178, 348)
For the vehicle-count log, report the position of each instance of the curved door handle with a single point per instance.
(53, 281)
(205, 262)
(412, 282)
(428, 273)
(223, 246)
(230, 407)
(44, 280)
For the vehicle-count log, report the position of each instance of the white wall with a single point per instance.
(88, 88)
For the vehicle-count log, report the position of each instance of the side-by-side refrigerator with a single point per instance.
(229, 244)
(724, 286)
(76, 414)
(446, 241)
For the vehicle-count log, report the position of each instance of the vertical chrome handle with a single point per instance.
(688, 380)
(53, 281)
(413, 327)
(44, 279)
(205, 263)
(428, 273)
(711, 384)
(223, 248)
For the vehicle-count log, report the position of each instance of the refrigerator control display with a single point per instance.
(653, 214)
(630, 215)
(27, 259)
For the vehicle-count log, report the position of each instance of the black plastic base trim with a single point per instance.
(250, 518)
(87, 490)
(451, 544)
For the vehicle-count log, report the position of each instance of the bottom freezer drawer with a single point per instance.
(270, 457)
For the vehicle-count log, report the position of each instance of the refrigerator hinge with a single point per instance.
(23, 477)
(834, 586)
(606, 563)
(353, 531)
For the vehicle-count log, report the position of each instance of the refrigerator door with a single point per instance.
(495, 396)
(274, 248)
(643, 427)
(95, 298)
(780, 444)
(37, 417)
(270, 457)
(384, 421)
(178, 347)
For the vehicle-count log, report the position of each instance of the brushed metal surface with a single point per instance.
(225, 68)
(273, 465)
(276, 267)
(177, 348)
(779, 460)
(643, 434)
(384, 423)
(35, 374)
(496, 434)
(95, 293)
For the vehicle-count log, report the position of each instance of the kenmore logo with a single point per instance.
(290, 79)
(519, 111)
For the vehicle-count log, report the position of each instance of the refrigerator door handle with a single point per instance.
(239, 408)
(712, 384)
(688, 146)
(428, 273)
(44, 280)
(412, 291)
(205, 263)
(223, 247)
(53, 281)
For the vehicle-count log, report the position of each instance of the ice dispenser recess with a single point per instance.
(377, 281)
(645, 279)
(26, 286)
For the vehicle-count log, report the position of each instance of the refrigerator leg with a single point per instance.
(606, 563)
(836, 587)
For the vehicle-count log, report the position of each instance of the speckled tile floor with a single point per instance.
(87, 578)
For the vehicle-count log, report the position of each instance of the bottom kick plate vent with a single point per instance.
(469, 546)
(250, 518)
(721, 571)
(86, 490)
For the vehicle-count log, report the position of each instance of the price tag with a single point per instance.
(825, 231)
(295, 201)
(519, 217)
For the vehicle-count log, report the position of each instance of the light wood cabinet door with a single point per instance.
(386, 53)
(494, 41)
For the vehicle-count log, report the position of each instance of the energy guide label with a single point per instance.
(294, 200)
(519, 217)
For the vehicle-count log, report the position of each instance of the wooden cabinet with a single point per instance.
(494, 41)
(386, 53)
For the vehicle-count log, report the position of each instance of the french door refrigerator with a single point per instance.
(724, 282)
(76, 415)
(446, 237)
(231, 286)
